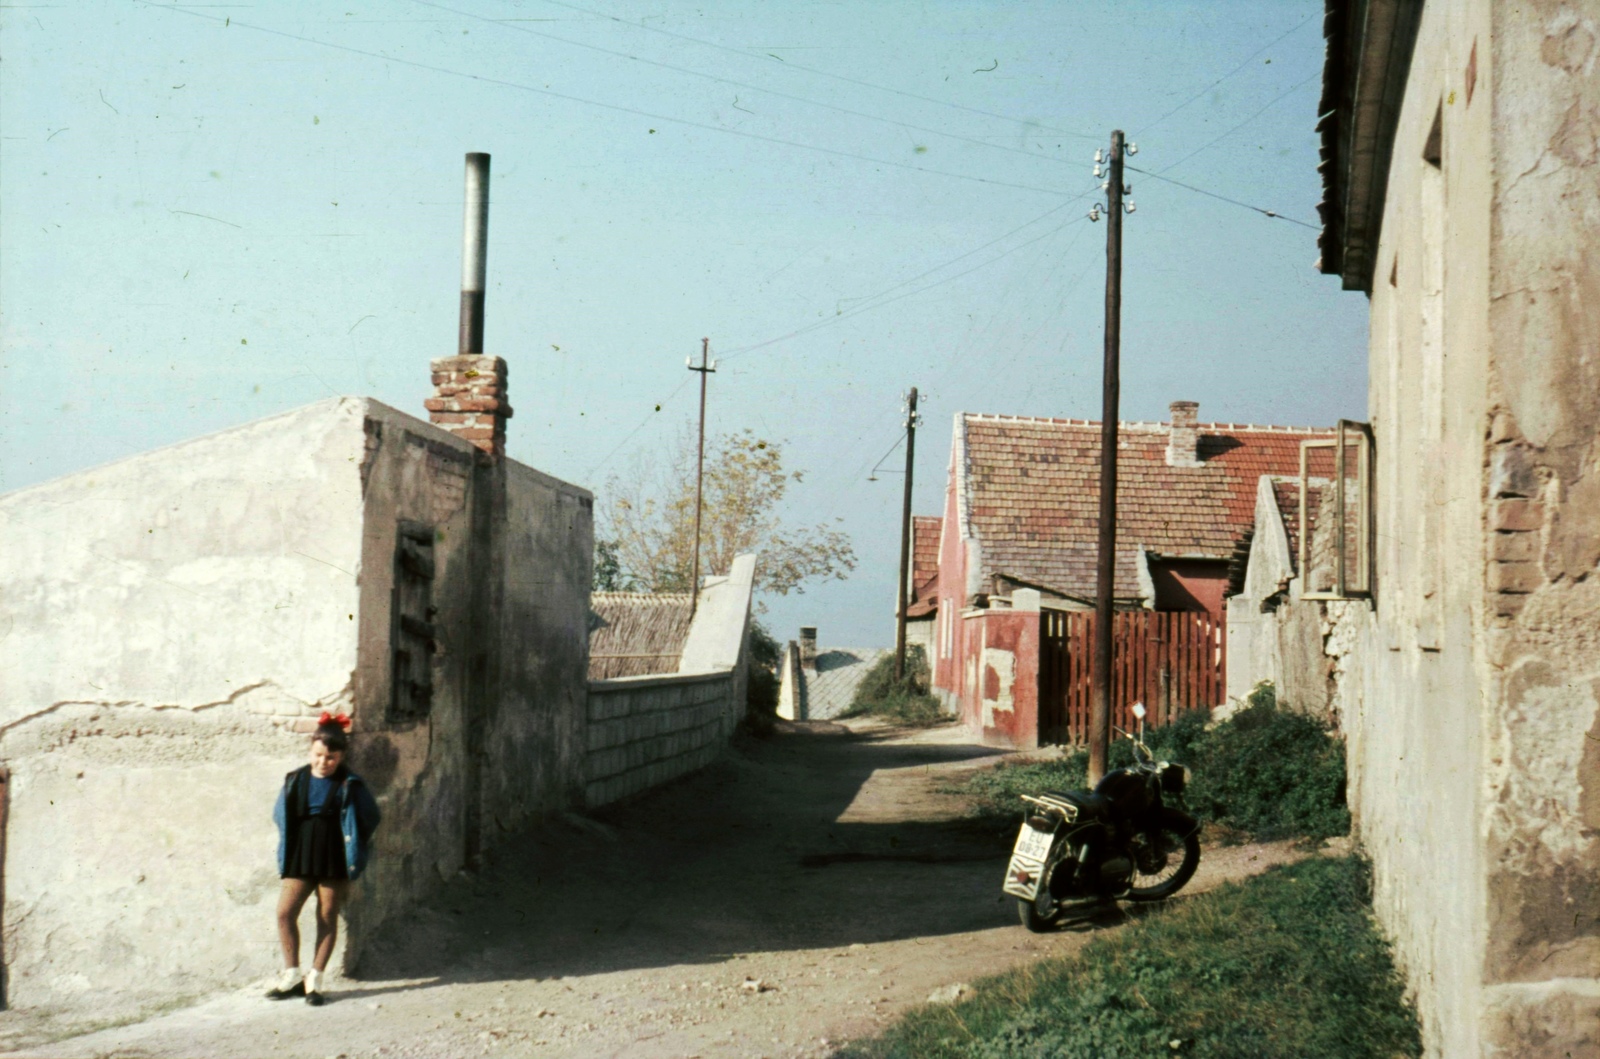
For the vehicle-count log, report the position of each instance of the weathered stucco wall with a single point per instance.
(1413, 683)
(1542, 465)
(502, 740)
(1471, 695)
(168, 620)
(180, 618)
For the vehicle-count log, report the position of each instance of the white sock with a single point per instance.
(313, 981)
(288, 978)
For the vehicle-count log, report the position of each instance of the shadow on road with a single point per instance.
(812, 839)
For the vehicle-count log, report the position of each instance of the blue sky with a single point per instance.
(216, 212)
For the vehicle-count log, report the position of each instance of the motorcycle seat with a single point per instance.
(1090, 805)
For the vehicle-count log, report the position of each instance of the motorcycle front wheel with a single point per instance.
(1178, 856)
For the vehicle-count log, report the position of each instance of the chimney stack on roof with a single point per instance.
(469, 389)
(1183, 435)
(808, 647)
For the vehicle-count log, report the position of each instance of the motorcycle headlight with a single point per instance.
(1174, 778)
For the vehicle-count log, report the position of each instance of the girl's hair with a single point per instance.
(333, 737)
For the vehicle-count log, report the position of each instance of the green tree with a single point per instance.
(647, 520)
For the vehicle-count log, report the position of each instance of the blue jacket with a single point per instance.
(358, 818)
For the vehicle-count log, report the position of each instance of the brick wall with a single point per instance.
(644, 731)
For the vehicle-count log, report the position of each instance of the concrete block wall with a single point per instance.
(647, 730)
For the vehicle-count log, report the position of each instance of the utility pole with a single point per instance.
(1106, 565)
(705, 368)
(905, 540)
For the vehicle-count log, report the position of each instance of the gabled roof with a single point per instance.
(1032, 491)
(923, 598)
(635, 633)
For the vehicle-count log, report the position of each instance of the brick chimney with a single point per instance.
(808, 647)
(1183, 435)
(469, 400)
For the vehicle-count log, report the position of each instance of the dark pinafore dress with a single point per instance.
(315, 841)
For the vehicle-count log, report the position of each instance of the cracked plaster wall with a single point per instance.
(166, 623)
(1469, 696)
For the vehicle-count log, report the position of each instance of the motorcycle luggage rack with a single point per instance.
(1055, 805)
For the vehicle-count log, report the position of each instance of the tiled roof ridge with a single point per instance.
(1140, 424)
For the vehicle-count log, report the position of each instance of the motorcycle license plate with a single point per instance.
(1027, 862)
(1033, 845)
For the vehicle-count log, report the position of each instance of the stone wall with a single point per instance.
(647, 730)
(650, 729)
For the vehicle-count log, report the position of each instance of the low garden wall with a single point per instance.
(647, 730)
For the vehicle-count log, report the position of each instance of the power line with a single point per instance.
(743, 84)
(1269, 105)
(822, 73)
(648, 416)
(618, 108)
(1224, 77)
(840, 317)
(1274, 214)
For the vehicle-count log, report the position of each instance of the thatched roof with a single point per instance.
(635, 633)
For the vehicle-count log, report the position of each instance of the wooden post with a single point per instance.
(905, 541)
(1106, 566)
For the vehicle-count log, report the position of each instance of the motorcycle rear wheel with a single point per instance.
(1177, 833)
(1039, 920)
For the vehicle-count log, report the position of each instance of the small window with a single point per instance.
(1334, 558)
(411, 631)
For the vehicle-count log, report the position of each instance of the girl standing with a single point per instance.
(325, 817)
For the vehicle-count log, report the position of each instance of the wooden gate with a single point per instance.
(1169, 660)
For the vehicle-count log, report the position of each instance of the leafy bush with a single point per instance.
(1286, 964)
(1267, 771)
(1272, 772)
(903, 702)
(763, 655)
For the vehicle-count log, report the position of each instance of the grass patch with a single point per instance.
(901, 702)
(1286, 964)
(1269, 772)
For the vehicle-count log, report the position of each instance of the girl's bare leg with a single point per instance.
(292, 898)
(330, 895)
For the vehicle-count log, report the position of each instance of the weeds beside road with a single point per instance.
(1287, 964)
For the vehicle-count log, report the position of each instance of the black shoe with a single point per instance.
(299, 989)
(316, 1000)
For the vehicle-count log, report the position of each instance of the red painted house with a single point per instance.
(1017, 544)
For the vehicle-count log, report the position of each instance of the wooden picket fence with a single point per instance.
(1169, 660)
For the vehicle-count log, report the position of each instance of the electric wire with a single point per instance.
(840, 317)
(615, 107)
(1224, 77)
(1274, 214)
(744, 84)
(1274, 101)
(823, 73)
(648, 416)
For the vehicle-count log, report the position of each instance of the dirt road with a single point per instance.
(800, 892)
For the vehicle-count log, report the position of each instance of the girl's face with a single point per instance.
(324, 762)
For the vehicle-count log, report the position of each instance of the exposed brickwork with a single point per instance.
(470, 400)
(1516, 519)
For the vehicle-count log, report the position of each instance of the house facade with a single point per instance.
(1019, 536)
(1462, 187)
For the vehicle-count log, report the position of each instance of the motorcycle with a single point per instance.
(1122, 840)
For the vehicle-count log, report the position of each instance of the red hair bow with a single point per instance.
(334, 718)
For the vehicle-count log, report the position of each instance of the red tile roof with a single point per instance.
(1032, 492)
(925, 530)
